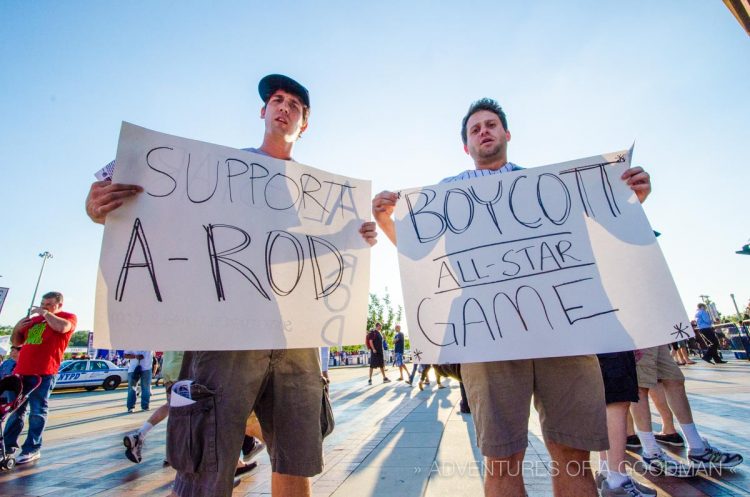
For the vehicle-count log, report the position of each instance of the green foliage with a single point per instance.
(79, 339)
(6, 330)
(380, 310)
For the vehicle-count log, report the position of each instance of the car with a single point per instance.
(90, 374)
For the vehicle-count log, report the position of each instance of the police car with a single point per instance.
(90, 374)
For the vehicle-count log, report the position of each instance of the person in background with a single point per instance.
(139, 369)
(706, 330)
(9, 364)
(398, 352)
(374, 343)
(44, 335)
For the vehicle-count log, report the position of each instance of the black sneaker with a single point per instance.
(714, 458)
(633, 442)
(673, 439)
(133, 446)
(245, 469)
(251, 447)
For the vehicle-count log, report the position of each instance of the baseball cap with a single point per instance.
(269, 84)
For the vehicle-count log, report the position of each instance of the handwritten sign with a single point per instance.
(230, 250)
(3, 294)
(549, 261)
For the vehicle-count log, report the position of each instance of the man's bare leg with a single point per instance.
(382, 371)
(658, 397)
(617, 418)
(678, 401)
(641, 411)
(503, 477)
(289, 485)
(574, 476)
(252, 428)
(158, 415)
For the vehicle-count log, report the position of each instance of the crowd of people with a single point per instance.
(278, 399)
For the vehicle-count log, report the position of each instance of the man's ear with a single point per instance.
(466, 149)
(263, 112)
(507, 135)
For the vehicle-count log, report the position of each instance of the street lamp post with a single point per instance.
(44, 255)
(739, 316)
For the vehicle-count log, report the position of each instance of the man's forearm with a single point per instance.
(60, 325)
(17, 337)
(387, 226)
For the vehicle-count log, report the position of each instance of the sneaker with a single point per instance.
(633, 442)
(131, 410)
(707, 360)
(245, 468)
(369, 382)
(630, 488)
(719, 361)
(674, 439)
(133, 444)
(386, 380)
(251, 447)
(662, 464)
(27, 457)
(600, 478)
(713, 458)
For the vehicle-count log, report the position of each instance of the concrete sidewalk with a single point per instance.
(390, 440)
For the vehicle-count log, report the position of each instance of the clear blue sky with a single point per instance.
(389, 83)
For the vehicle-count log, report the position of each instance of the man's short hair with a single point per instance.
(54, 295)
(483, 104)
(701, 306)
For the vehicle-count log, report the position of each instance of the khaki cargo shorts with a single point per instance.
(284, 388)
(655, 365)
(568, 393)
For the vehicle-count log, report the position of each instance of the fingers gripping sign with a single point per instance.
(369, 232)
(105, 196)
(639, 181)
(383, 205)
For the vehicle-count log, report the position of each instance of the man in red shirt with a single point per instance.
(44, 335)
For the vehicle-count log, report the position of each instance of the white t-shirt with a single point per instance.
(145, 362)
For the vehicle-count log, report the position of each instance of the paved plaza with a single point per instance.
(390, 440)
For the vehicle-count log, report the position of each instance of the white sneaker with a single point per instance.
(662, 464)
(627, 489)
(27, 457)
(646, 491)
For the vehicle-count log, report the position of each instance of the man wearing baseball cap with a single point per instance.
(284, 387)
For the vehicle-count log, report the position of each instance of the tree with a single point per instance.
(79, 339)
(381, 311)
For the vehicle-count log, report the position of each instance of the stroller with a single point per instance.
(12, 395)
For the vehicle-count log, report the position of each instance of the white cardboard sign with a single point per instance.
(230, 250)
(549, 261)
